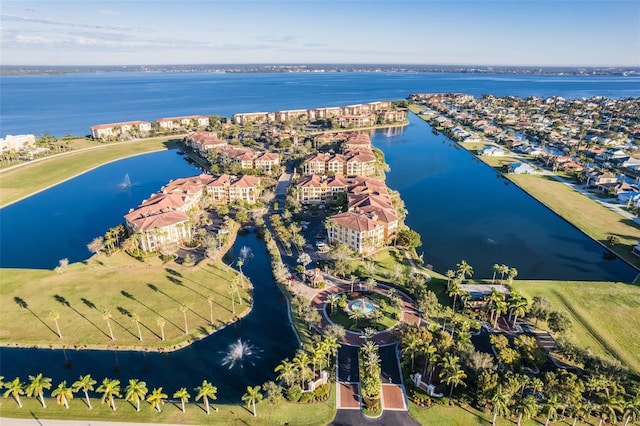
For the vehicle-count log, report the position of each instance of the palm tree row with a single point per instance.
(135, 392)
(370, 375)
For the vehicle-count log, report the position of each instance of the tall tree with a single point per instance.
(464, 269)
(501, 399)
(287, 371)
(55, 316)
(451, 372)
(135, 391)
(526, 407)
(63, 394)
(110, 390)
(156, 399)
(184, 308)
(252, 396)
(206, 391)
(161, 323)
(15, 388)
(551, 406)
(210, 302)
(184, 396)
(37, 385)
(106, 315)
(84, 383)
(135, 319)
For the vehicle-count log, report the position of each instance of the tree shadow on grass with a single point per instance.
(24, 305)
(88, 303)
(132, 297)
(64, 302)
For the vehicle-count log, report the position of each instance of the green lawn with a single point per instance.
(25, 180)
(605, 316)
(126, 287)
(339, 316)
(445, 415)
(268, 414)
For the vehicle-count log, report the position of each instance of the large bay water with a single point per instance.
(71, 103)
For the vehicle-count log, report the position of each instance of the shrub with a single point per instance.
(420, 398)
(321, 393)
(306, 398)
(294, 393)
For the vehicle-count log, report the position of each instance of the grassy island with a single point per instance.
(131, 297)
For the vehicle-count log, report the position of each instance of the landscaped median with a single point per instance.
(23, 181)
(105, 295)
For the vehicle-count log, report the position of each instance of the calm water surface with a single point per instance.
(72, 103)
(465, 210)
(66, 217)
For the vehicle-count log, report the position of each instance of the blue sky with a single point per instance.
(146, 32)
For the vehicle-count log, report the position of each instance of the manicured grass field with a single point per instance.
(123, 285)
(445, 415)
(25, 180)
(605, 316)
(592, 218)
(267, 413)
(339, 316)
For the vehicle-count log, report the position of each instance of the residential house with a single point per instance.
(17, 142)
(492, 151)
(522, 168)
(204, 142)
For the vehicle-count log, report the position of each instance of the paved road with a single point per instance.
(388, 418)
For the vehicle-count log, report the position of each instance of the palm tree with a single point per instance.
(301, 361)
(210, 301)
(15, 388)
(135, 391)
(500, 308)
(503, 270)
(357, 315)
(106, 315)
(551, 407)
(609, 408)
(156, 399)
(55, 316)
(63, 394)
(84, 383)
(184, 396)
(37, 385)
(518, 308)
(631, 409)
(332, 299)
(160, 323)
(135, 318)
(110, 388)
(370, 284)
(410, 346)
(500, 399)
(464, 269)
(288, 371)
(527, 407)
(450, 274)
(252, 396)
(451, 372)
(205, 391)
(454, 291)
(511, 274)
(184, 308)
(496, 269)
